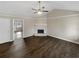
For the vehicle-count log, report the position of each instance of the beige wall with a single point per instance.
(65, 27)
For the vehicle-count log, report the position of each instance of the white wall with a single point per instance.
(4, 30)
(64, 27)
(28, 27)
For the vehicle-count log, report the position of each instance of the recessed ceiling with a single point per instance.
(24, 8)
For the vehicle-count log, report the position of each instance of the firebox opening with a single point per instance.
(41, 31)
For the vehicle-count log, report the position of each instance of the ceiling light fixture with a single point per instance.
(40, 10)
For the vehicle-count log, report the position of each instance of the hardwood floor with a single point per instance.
(39, 47)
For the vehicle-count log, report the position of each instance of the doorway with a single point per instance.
(17, 29)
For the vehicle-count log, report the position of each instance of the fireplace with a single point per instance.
(40, 31)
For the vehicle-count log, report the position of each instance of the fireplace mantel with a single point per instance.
(40, 30)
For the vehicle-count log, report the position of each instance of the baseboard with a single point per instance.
(64, 39)
(7, 42)
(34, 36)
(28, 37)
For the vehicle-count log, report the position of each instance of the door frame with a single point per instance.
(12, 34)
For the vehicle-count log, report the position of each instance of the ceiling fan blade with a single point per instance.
(34, 9)
(35, 12)
(45, 11)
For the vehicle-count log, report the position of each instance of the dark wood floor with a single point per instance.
(40, 47)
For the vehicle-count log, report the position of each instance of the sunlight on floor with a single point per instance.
(19, 34)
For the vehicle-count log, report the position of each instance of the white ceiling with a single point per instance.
(24, 8)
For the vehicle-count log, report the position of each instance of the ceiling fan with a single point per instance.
(40, 10)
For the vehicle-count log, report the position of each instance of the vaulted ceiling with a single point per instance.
(24, 8)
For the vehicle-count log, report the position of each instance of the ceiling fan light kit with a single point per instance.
(39, 13)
